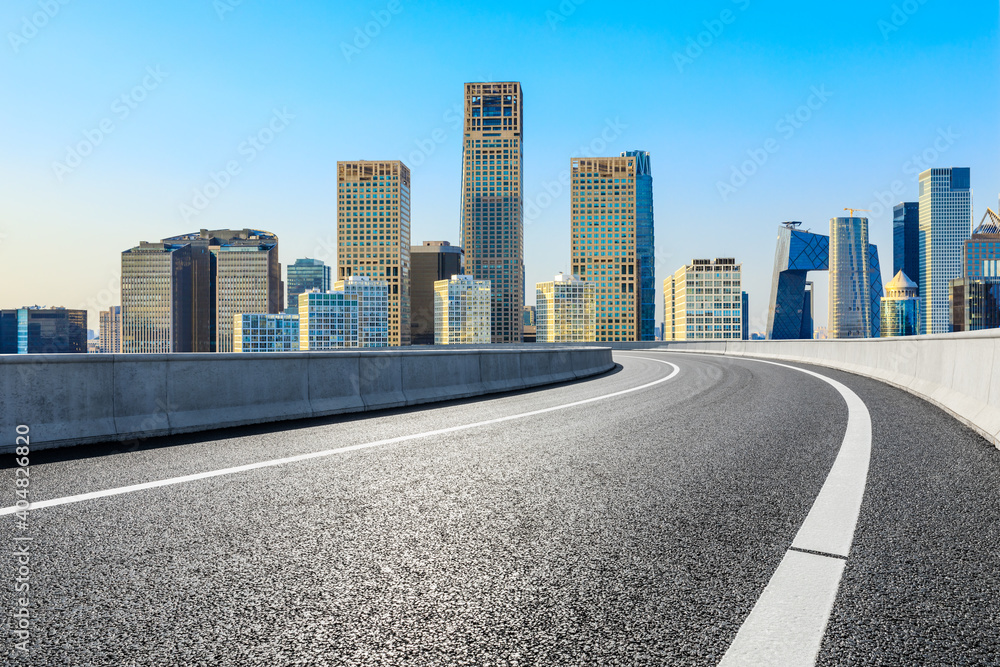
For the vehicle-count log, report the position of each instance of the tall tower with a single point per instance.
(304, 275)
(492, 232)
(906, 239)
(945, 225)
(373, 233)
(850, 277)
(644, 244)
(604, 241)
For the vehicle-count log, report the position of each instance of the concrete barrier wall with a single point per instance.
(71, 399)
(957, 372)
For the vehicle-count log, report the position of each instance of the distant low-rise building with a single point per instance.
(430, 262)
(566, 310)
(373, 308)
(109, 335)
(304, 275)
(258, 332)
(42, 330)
(462, 311)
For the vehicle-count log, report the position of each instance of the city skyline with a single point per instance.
(258, 147)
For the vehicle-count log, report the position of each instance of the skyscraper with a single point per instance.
(900, 307)
(604, 241)
(492, 226)
(565, 311)
(975, 298)
(430, 262)
(644, 244)
(248, 281)
(38, 330)
(304, 275)
(945, 225)
(906, 239)
(850, 305)
(373, 232)
(704, 301)
(110, 331)
(462, 310)
(165, 292)
(745, 322)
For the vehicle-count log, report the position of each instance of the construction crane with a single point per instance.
(852, 210)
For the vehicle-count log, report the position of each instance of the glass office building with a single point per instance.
(906, 239)
(327, 321)
(463, 308)
(266, 333)
(373, 308)
(110, 331)
(851, 309)
(644, 244)
(304, 275)
(974, 298)
(39, 330)
(704, 301)
(373, 232)
(565, 311)
(901, 307)
(945, 226)
(492, 225)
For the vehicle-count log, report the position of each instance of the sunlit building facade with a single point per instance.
(945, 226)
(463, 310)
(373, 233)
(704, 301)
(565, 311)
(901, 307)
(852, 312)
(492, 225)
(327, 321)
(604, 241)
(975, 298)
(373, 308)
(109, 333)
(277, 332)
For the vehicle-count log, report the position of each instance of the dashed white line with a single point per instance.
(67, 500)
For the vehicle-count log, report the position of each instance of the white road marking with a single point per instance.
(67, 500)
(787, 624)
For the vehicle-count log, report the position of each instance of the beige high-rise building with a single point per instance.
(462, 311)
(373, 233)
(565, 311)
(604, 241)
(247, 281)
(110, 332)
(704, 301)
(492, 227)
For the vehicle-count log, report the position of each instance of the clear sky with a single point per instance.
(114, 115)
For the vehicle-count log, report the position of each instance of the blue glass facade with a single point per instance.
(644, 247)
(906, 239)
(789, 314)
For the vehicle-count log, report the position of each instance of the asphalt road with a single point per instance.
(636, 530)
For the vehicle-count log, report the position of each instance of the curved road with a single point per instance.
(640, 528)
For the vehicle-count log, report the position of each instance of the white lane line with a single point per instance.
(67, 500)
(787, 624)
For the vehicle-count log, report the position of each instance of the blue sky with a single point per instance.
(163, 97)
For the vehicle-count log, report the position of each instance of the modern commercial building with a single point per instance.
(975, 298)
(790, 310)
(110, 332)
(852, 311)
(605, 242)
(906, 239)
(304, 275)
(704, 301)
(945, 226)
(373, 308)
(43, 330)
(327, 321)
(901, 307)
(529, 330)
(492, 225)
(566, 311)
(248, 281)
(166, 298)
(266, 333)
(645, 244)
(463, 309)
(429, 263)
(373, 232)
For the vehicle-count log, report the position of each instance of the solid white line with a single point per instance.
(330, 452)
(787, 624)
